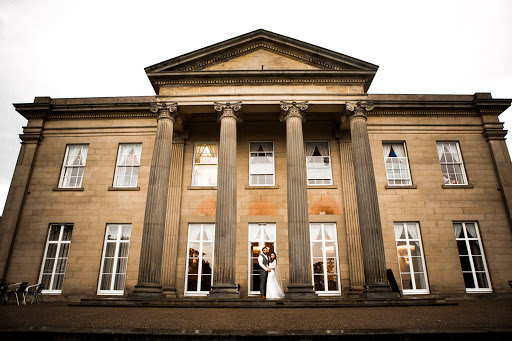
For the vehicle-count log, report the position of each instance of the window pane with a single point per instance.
(319, 282)
(420, 280)
(192, 283)
(406, 281)
(481, 278)
(468, 280)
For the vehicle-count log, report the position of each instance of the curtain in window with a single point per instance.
(268, 232)
(386, 148)
(399, 149)
(330, 230)
(412, 230)
(265, 147)
(209, 231)
(195, 230)
(323, 148)
(440, 151)
(471, 230)
(315, 232)
(399, 229)
(458, 229)
(452, 149)
(254, 232)
(206, 153)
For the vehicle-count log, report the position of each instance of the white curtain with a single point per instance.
(209, 231)
(323, 148)
(269, 232)
(452, 148)
(310, 148)
(471, 230)
(399, 149)
(194, 231)
(386, 148)
(330, 230)
(412, 230)
(399, 229)
(254, 232)
(458, 229)
(315, 232)
(440, 150)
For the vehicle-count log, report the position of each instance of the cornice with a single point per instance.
(230, 81)
(412, 112)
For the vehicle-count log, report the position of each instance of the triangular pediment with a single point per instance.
(262, 59)
(263, 52)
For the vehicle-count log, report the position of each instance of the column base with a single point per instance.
(147, 290)
(356, 290)
(169, 292)
(300, 291)
(379, 290)
(224, 291)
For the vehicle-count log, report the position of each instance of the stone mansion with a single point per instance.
(261, 140)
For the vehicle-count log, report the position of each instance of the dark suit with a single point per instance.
(263, 276)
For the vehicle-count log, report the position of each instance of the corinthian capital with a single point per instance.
(293, 109)
(165, 110)
(358, 109)
(228, 110)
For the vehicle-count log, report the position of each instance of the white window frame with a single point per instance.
(115, 260)
(270, 242)
(65, 167)
(197, 164)
(309, 169)
(253, 172)
(405, 251)
(447, 180)
(466, 239)
(201, 241)
(138, 151)
(397, 163)
(323, 241)
(59, 244)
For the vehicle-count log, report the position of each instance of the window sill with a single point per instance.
(59, 189)
(202, 187)
(401, 187)
(261, 187)
(124, 188)
(458, 186)
(322, 186)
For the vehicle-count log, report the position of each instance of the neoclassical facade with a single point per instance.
(261, 140)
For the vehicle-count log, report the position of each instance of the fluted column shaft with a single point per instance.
(156, 204)
(355, 256)
(225, 219)
(367, 201)
(300, 285)
(170, 248)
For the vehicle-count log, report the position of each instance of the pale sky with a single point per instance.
(100, 48)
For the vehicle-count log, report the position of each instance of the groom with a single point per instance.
(263, 261)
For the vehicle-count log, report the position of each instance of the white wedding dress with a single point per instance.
(274, 290)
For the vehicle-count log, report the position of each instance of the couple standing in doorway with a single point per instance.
(270, 279)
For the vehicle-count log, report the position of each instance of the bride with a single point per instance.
(274, 289)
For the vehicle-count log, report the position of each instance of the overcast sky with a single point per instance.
(100, 48)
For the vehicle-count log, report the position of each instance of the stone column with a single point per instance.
(355, 251)
(30, 140)
(170, 248)
(374, 261)
(225, 220)
(150, 265)
(300, 285)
